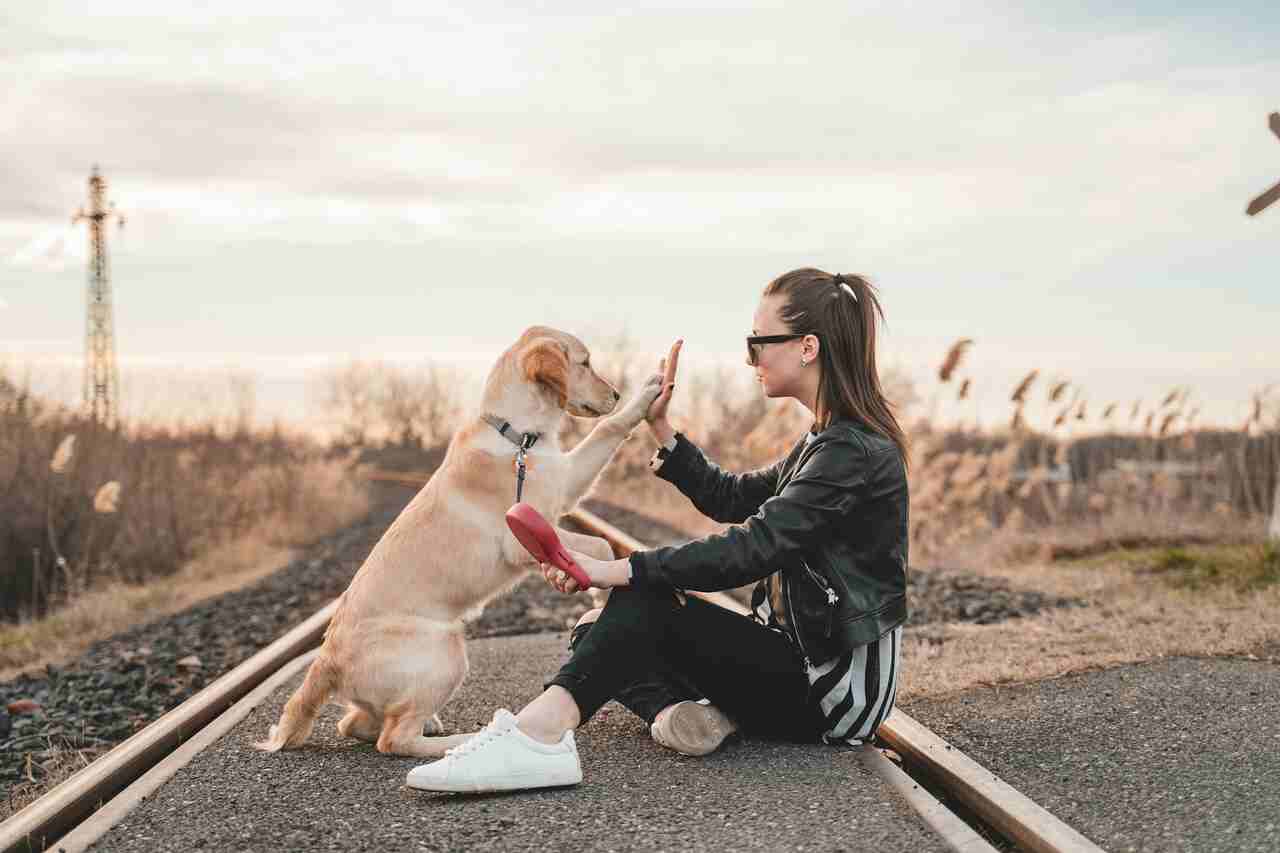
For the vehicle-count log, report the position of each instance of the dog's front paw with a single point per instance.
(634, 411)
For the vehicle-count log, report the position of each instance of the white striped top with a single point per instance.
(856, 690)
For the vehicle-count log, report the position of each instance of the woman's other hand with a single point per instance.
(602, 573)
(657, 414)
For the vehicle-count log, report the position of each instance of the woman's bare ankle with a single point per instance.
(548, 717)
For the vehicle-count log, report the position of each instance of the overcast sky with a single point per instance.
(1063, 182)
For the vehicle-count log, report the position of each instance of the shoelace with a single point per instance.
(486, 735)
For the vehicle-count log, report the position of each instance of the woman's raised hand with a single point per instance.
(657, 413)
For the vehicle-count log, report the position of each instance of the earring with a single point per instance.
(804, 363)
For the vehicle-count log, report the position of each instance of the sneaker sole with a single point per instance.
(512, 784)
(696, 731)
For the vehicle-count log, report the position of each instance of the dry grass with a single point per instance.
(64, 763)
(1136, 615)
(102, 528)
(332, 502)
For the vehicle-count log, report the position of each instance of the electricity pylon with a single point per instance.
(101, 379)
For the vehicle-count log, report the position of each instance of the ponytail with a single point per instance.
(841, 310)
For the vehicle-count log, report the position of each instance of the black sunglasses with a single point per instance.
(755, 341)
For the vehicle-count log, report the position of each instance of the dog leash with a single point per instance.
(523, 443)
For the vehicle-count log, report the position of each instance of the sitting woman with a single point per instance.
(824, 531)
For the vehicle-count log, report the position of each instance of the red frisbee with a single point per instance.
(539, 538)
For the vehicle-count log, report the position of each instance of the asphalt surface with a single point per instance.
(337, 794)
(1181, 754)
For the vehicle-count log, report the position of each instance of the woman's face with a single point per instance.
(777, 366)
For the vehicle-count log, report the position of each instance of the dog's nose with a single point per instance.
(616, 396)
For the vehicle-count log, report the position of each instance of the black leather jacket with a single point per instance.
(831, 516)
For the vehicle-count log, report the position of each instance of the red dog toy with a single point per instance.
(539, 538)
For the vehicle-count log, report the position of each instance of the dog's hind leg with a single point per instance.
(360, 725)
(440, 665)
(402, 735)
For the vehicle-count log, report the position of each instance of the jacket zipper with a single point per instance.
(791, 616)
(832, 598)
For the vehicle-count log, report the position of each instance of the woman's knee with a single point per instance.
(584, 625)
(587, 618)
(629, 606)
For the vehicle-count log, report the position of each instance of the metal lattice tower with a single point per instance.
(101, 379)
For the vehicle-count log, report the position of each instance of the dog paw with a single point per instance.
(634, 411)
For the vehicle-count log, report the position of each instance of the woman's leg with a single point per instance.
(747, 670)
(750, 672)
(554, 711)
(652, 692)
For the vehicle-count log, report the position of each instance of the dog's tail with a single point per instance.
(300, 711)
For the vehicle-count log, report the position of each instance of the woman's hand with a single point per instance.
(602, 573)
(657, 413)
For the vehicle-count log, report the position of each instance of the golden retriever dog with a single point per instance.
(394, 653)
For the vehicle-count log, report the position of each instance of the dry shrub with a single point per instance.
(377, 402)
(83, 506)
(1020, 492)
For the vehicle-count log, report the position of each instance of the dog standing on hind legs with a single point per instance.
(394, 652)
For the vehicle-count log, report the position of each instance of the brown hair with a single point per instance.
(815, 302)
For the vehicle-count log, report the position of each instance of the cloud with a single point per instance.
(692, 124)
(53, 250)
(986, 163)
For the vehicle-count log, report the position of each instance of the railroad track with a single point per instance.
(75, 813)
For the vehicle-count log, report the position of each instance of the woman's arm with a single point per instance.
(817, 497)
(717, 493)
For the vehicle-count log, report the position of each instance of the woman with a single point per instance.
(824, 531)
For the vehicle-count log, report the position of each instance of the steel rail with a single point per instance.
(1006, 809)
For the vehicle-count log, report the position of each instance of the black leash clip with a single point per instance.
(525, 444)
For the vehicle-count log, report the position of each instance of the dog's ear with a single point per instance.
(545, 361)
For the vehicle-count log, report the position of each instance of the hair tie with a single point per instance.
(838, 278)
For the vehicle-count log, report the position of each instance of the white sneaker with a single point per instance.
(500, 757)
(692, 728)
